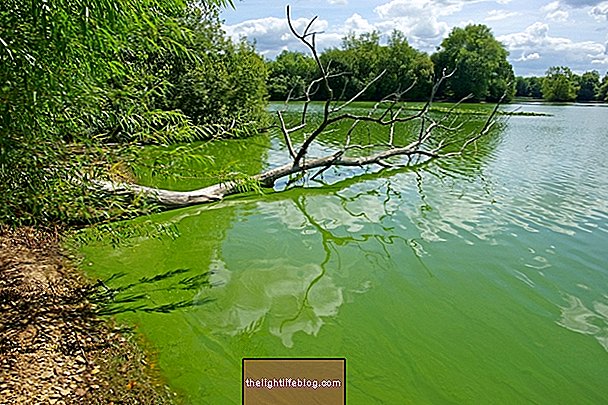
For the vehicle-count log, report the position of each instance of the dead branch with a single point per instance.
(386, 113)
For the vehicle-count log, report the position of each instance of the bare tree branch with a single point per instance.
(286, 136)
(360, 93)
(389, 112)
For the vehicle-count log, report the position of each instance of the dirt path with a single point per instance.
(53, 348)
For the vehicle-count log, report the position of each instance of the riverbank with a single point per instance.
(54, 349)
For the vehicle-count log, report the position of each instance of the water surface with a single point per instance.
(481, 279)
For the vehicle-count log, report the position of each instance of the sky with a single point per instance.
(537, 33)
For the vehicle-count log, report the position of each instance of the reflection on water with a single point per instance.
(275, 294)
(463, 280)
(578, 318)
(287, 296)
(135, 296)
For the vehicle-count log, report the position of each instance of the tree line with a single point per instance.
(476, 61)
(561, 84)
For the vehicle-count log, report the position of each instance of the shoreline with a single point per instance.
(54, 348)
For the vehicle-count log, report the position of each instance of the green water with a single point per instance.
(481, 280)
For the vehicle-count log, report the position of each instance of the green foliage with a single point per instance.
(82, 85)
(602, 94)
(405, 67)
(289, 75)
(528, 87)
(559, 84)
(224, 87)
(536, 84)
(358, 62)
(522, 87)
(479, 63)
(56, 64)
(246, 183)
(589, 88)
(363, 58)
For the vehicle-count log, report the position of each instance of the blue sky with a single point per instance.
(538, 34)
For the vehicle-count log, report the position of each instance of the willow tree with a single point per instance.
(479, 63)
(559, 84)
(603, 90)
(589, 86)
(73, 79)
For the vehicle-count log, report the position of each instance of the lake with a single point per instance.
(480, 280)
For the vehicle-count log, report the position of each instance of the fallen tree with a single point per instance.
(389, 113)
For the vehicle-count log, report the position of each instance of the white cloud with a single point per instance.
(272, 34)
(602, 60)
(536, 35)
(409, 8)
(527, 57)
(418, 20)
(340, 2)
(600, 12)
(558, 10)
(582, 3)
(554, 50)
(551, 7)
(528, 38)
(497, 15)
(357, 24)
(558, 16)
(555, 11)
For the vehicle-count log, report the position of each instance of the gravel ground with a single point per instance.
(54, 349)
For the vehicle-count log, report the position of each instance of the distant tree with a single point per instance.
(406, 68)
(342, 61)
(522, 87)
(589, 88)
(289, 74)
(529, 86)
(225, 85)
(363, 56)
(559, 84)
(603, 90)
(502, 82)
(479, 63)
(535, 84)
(362, 61)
